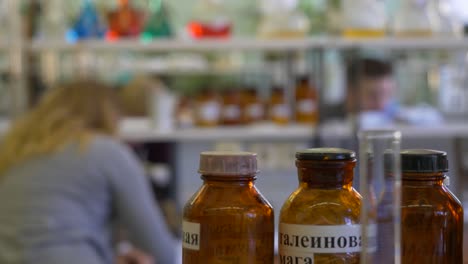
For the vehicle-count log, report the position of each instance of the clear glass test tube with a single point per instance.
(380, 181)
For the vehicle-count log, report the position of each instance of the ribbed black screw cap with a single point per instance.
(423, 160)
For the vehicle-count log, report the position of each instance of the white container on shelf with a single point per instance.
(162, 108)
(364, 18)
(412, 18)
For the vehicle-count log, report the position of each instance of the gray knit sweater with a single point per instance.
(59, 209)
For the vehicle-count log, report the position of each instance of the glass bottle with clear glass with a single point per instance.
(125, 21)
(158, 24)
(380, 181)
(364, 18)
(412, 18)
(88, 23)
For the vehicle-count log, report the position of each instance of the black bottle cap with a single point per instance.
(326, 154)
(423, 160)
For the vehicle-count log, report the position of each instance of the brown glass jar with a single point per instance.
(228, 220)
(231, 113)
(253, 108)
(207, 109)
(279, 111)
(306, 103)
(319, 222)
(431, 216)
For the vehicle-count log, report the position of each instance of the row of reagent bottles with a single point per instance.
(229, 221)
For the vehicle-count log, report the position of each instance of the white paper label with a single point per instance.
(255, 111)
(281, 111)
(210, 111)
(231, 112)
(301, 242)
(306, 106)
(191, 235)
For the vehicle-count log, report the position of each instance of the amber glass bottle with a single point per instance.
(231, 113)
(306, 103)
(252, 107)
(319, 222)
(279, 111)
(228, 220)
(207, 109)
(432, 217)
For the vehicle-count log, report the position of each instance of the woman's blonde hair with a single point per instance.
(70, 113)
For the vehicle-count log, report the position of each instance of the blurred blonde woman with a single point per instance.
(65, 179)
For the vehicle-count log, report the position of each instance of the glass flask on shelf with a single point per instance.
(320, 220)
(228, 220)
(453, 93)
(125, 21)
(412, 19)
(244, 17)
(316, 12)
(88, 24)
(334, 17)
(53, 21)
(364, 18)
(210, 19)
(158, 25)
(306, 102)
(431, 216)
(282, 19)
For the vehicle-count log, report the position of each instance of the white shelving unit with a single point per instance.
(173, 45)
(142, 130)
(444, 130)
(399, 43)
(279, 45)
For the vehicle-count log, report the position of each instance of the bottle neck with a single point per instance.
(230, 180)
(326, 174)
(430, 179)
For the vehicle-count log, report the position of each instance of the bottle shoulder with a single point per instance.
(317, 206)
(439, 200)
(428, 195)
(213, 200)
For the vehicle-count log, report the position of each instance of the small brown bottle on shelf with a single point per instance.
(228, 220)
(207, 109)
(231, 113)
(279, 111)
(431, 216)
(319, 222)
(306, 103)
(253, 108)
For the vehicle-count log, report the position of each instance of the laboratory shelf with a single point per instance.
(239, 44)
(143, 130)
